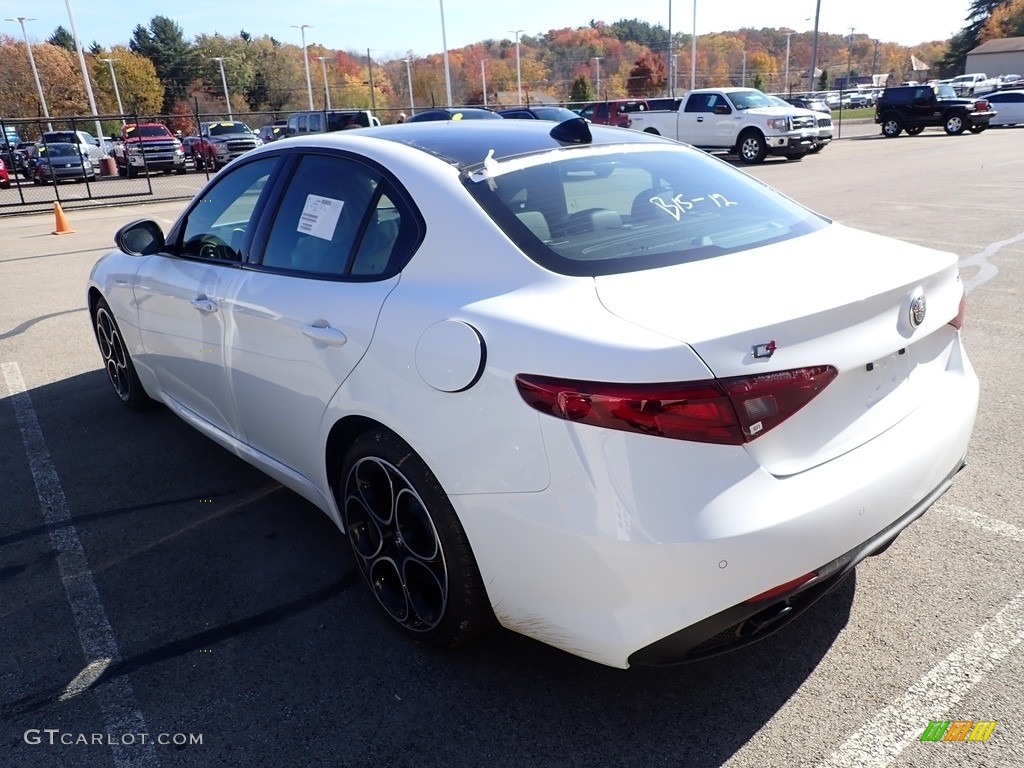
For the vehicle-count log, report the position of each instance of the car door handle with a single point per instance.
(700, 119)
(204, 304)
(325, 334)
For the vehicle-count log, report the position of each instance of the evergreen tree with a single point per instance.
(164, 44)
(966, 39)
(581, 90)
(62, 39)
(823, 80)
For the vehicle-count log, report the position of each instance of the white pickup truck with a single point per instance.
(740, 121)
(972, 83)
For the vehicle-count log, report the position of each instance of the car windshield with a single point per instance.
(146, 130)
(606, 211)
(221, 129)
(750, 100)
(944, 91)
(63, 150)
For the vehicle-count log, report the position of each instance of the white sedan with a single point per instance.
(589, 384)
(1009, 107)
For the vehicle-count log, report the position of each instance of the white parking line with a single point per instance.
(986, 270)
(880, 741)
(116, 698)
(986, 523)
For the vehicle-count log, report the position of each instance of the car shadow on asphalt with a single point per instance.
(239, 613)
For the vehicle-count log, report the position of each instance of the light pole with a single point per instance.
(671, 60)
(597, 66)
(519, 71)
(117, 91)
(788, 35)
(483, 81)
(224, 82)
(408, 74)
(305, 58)
(447, 69)
(85, 71)
(327, 90)
(369, 72)
(744, 81)
(849, 59)
(693, 49)
(35, 72)
(814, 49)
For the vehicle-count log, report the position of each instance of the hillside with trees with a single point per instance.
(160, 72)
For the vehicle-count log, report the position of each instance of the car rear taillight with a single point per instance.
(726, 411)
(981, 105)
(958, 321)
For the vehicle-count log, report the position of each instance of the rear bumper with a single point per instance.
(747, 622)
(643, 550)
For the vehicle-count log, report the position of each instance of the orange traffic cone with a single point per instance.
(63, 228)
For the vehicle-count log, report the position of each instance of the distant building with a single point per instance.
(997, 57)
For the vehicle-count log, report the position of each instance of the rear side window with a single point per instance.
(337, 218)
(601, 212)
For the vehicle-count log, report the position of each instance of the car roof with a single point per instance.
(466, 144)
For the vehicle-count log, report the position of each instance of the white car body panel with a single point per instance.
(1008, 112)
(598, 541)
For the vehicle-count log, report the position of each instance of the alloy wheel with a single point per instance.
(396, 544)
(115, 360)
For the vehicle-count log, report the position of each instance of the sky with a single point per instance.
(391, 28)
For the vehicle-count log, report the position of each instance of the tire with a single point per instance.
(199, 163)
(954, 124)
(181, 171)
(122, 171)
(130, 172)
(915, 130)
(116, 360)
(797, 158)
(978, 128)
(751, 147)
(891, 125)
(408, 544)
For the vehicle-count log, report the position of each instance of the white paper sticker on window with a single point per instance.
(319, 217)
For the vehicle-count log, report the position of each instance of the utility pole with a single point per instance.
(597, 66)
(369, 68)
(408, 74)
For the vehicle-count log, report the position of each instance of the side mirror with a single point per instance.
(140, 238)
(721, 109)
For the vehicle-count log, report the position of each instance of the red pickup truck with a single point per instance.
(148, 147)
(615, 112)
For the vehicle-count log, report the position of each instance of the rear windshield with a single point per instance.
(603, 211)
(147, 130)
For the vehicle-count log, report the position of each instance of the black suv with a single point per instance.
(915, 107)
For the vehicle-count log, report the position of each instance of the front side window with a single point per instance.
(606, 211)
(220, 222)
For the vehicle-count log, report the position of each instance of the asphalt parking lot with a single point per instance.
(163, 604)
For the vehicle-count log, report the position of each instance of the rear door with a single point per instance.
(301, 319)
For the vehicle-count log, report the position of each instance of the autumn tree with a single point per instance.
(648, 76)
(140, 88)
